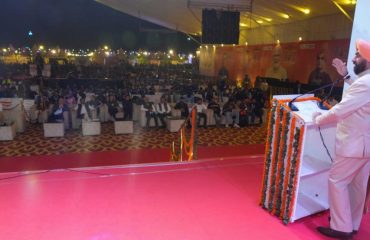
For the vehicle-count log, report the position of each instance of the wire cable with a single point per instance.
(323, 142)
(24, 175)
(80, 171)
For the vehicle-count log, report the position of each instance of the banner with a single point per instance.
(303, 62)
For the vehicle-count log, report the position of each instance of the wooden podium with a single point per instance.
(296, 167)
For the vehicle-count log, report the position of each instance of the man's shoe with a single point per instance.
(334, 233)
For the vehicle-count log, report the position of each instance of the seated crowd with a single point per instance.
(158, 93)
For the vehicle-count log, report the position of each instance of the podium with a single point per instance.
(297, 163)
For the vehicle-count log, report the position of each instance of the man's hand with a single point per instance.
(340, 66)
(314, 116)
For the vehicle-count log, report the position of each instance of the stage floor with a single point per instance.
(210, 199)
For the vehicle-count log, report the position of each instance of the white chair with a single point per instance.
(90, 128)
(174, 124)
(123, 127)
(176, 113)
(53, 129)
(7, 133)
(151, 123)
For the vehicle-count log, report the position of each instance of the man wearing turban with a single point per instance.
(349, 172)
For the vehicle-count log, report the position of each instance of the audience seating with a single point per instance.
(90, 128)
(76, 122)
(104, 114)
(136, 112)
(176, 113)
(8, 132)
(16, 115)
(123, 127)
(53, 129)
(151, 123)
(174, 123)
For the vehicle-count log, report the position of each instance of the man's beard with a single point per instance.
(359, 67)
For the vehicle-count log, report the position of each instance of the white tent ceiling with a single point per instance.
(185, 15)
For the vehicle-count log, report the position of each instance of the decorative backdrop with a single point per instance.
(299, 59)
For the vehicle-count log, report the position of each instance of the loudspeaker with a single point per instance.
(220, 26)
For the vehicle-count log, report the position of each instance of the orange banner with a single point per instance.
(304, 62)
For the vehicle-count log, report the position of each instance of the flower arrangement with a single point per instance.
(282, 160)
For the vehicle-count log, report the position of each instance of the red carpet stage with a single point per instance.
(206, 199)
(118, 157)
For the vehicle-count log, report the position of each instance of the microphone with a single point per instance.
(321, 103)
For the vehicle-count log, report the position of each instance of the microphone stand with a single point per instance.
(321, 103)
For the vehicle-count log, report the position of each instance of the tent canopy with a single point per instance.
(186, 15)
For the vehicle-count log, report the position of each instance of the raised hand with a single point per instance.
(340, 66)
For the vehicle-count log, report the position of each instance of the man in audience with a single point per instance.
(83, 109)
(42, 108)
(258, 103)
(94, 103)
(183, 107)
(231, 112)
(127, 108)
(163, 110)
(215, 106)
(201, 107)
(113, 106)
(59, 112)
(149, 109)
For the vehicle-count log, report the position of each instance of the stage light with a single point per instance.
(243, 25)
(41, 47)
(300, 38)
(106, 47)
(278, 41)
(246, 43)
(5, 50)
(53, 51)
(222, 45)
(259, 21)
(301, 9)
(306, 11)
(170, 51)
(284, 15)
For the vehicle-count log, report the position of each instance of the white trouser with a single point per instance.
(347, 191)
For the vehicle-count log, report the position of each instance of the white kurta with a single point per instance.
(350, 170)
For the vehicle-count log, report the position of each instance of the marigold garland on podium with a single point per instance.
(294, 182)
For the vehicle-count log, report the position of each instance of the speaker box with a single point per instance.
(220, 26)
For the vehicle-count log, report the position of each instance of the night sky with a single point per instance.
(81, 24)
